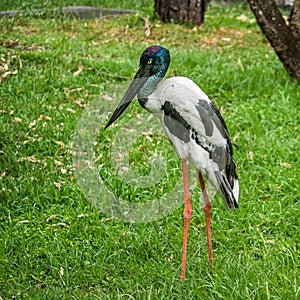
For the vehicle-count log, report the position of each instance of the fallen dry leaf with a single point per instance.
(270, 242)
(64, 171)
(57, 184)
(107, 97)
(78, 102)
(23, 222)
(61, 144)
(8, 73)
(60, 224)
(70, 110)
(242, 18)
(33, 123)
(44, 117)
(126, 29)
(51, 218)
(19, 120)
(80, 69)
(251, 155)
(2, 174)
(29, 158)
(82, 215)
(147, 26)
(5, 68)
(105, 219)
(58, 163)
(285, 164)
(98, 158)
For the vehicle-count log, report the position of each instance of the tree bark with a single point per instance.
(181, 11)
(283, 37)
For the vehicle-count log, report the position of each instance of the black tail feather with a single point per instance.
(227, 189)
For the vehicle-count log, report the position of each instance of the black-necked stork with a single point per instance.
(193, 125)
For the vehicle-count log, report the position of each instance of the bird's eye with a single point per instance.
(149, 62)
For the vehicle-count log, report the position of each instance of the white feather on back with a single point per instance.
(184, 95)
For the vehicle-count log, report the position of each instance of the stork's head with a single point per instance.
(154, 64)
(154, 61)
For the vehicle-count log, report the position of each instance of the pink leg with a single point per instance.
(187, 218)
(207, 209)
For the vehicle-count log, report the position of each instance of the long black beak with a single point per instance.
(139, 80)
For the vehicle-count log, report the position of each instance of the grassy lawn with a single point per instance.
(56, 245)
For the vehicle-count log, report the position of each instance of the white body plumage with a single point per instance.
(197, 132)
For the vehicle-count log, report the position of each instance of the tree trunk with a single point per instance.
(284, 38)
(182, 11)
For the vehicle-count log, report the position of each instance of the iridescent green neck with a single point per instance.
(149, 87)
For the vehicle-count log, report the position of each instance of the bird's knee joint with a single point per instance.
(207, 208)
(187, 213)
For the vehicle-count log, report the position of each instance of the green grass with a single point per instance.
(55, 245)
